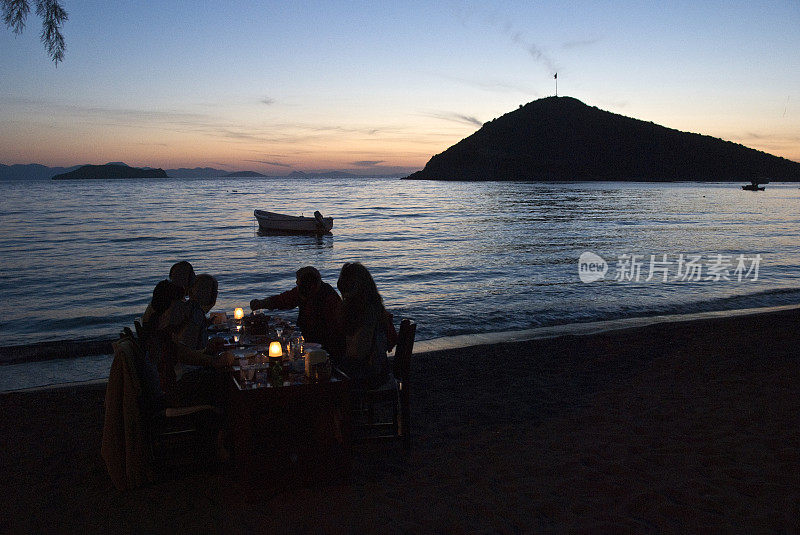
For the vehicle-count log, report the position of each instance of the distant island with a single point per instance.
(111, 170)
(35, 171)
(563, 139)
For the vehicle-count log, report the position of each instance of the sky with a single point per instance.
(379, 87)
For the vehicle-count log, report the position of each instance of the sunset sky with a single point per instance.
(380, 87)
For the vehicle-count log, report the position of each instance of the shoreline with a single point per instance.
(683, 426)
(46, 374)
(74, 349)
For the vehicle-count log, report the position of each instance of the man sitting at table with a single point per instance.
(189, 367)
(192, 357)
(319, 309)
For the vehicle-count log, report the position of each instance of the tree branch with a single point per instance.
(53, 16)
(14, 14)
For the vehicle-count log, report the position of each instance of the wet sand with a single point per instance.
(672, 427)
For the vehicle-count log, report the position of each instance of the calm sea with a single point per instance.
(80, 258)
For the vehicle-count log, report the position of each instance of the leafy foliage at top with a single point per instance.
(53, 16)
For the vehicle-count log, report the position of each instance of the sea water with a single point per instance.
(79, 259)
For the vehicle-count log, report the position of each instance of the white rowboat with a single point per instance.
(273, 222)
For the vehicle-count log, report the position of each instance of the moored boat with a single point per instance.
(274, 222)
(753, 185)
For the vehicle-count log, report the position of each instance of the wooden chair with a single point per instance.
(384, 413)
(172, 431)
(166, 429)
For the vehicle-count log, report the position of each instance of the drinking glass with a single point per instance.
(248, 371)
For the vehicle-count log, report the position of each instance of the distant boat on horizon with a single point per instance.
(753, 185)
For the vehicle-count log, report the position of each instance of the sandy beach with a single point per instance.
(673, 427)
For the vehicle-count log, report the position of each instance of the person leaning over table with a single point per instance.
(363, 320)
(319, 310)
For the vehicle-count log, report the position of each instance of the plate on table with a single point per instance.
(243, 353)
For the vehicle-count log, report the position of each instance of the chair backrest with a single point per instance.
(124, 434)
(405, 346)
(147, 374)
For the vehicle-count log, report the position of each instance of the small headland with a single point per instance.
(563, 139)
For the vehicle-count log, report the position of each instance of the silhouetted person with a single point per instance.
(363, 317)
(191, 369)
(319, 309)
(188, 327)
(164, 294)
(182, 274)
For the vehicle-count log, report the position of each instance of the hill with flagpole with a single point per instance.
(563, 139)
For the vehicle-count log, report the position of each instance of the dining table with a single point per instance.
(291, 426)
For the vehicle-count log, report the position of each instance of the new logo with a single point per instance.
(591, 267)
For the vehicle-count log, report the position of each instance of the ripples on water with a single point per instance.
(80, 258)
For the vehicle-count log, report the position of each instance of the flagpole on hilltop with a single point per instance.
(555, 77)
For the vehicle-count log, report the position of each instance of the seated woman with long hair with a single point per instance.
(363, 316)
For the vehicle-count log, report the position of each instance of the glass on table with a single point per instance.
(247, 373)
(296, 347)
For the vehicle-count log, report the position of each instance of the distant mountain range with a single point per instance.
(33, 171)
(40, 172)
(563, 139)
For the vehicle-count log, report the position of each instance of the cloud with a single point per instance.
(367, 163)
(267, 100)
(508, 28)
(456, 118)
(580, 43)
(276, 164)
(539, 56)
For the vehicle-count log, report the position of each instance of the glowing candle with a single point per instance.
(238, 313)
(275, 349)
